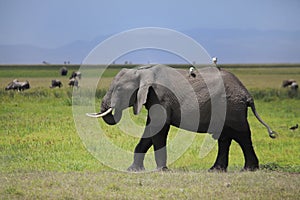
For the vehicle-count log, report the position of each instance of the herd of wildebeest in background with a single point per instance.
(76, 76)
(73, 81)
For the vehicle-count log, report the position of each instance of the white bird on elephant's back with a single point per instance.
(192, 72)
(215, 60)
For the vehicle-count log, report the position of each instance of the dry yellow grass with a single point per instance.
(262, 78)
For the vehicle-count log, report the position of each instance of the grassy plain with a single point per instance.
(42, 155)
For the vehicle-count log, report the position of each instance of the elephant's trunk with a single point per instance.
(112, 119)
(106, 107)
(106, 112)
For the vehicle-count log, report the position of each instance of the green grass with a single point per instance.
(44, 137)
(44, 71)
(42, 156)
(39, 71)
(262, 78)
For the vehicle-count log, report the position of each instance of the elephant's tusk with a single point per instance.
(97, 115)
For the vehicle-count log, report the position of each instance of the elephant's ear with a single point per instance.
(141, 99)
(146, 78)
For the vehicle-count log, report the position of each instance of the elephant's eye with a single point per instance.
(118, 88)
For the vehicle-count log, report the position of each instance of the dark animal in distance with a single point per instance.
(17, 85)
(290, 83)
(75, 75)
(294, 86)
(146, 86)
(73, 82)
(294, 127)
(56, 83)
(63, 71)
(286, 83)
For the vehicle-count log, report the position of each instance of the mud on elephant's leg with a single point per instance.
(221, 162)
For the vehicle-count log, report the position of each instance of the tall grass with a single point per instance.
(272, 94)
(41, 119)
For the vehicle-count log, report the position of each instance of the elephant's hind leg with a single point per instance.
(244, 140)
(221, 162)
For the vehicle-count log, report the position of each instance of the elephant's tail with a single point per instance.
(272, 134)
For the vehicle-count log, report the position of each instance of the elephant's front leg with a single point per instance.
(139, 154)
(160, 148)
(155, 134)
(151, 137)
(141, 149)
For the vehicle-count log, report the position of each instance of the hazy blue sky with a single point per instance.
(235, 30)
(52, 23)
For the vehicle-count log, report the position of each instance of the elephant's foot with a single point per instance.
(250, 168)
(162, 169)
(136, 168)
(218, 168)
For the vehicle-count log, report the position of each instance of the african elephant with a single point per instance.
(172, 97)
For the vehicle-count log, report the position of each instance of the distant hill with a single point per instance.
(229, 45)
(20, 54)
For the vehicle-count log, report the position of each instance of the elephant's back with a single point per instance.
(234, 88)
(195, 94)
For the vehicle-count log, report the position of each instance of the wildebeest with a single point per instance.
(63, 71)
(56, 83)
(294, 86)
(286, 83)
(73, 82)
(17, 85)
(75, 75)
(290, 83)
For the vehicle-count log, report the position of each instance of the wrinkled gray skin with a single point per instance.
(172, 97)
(17, 85)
